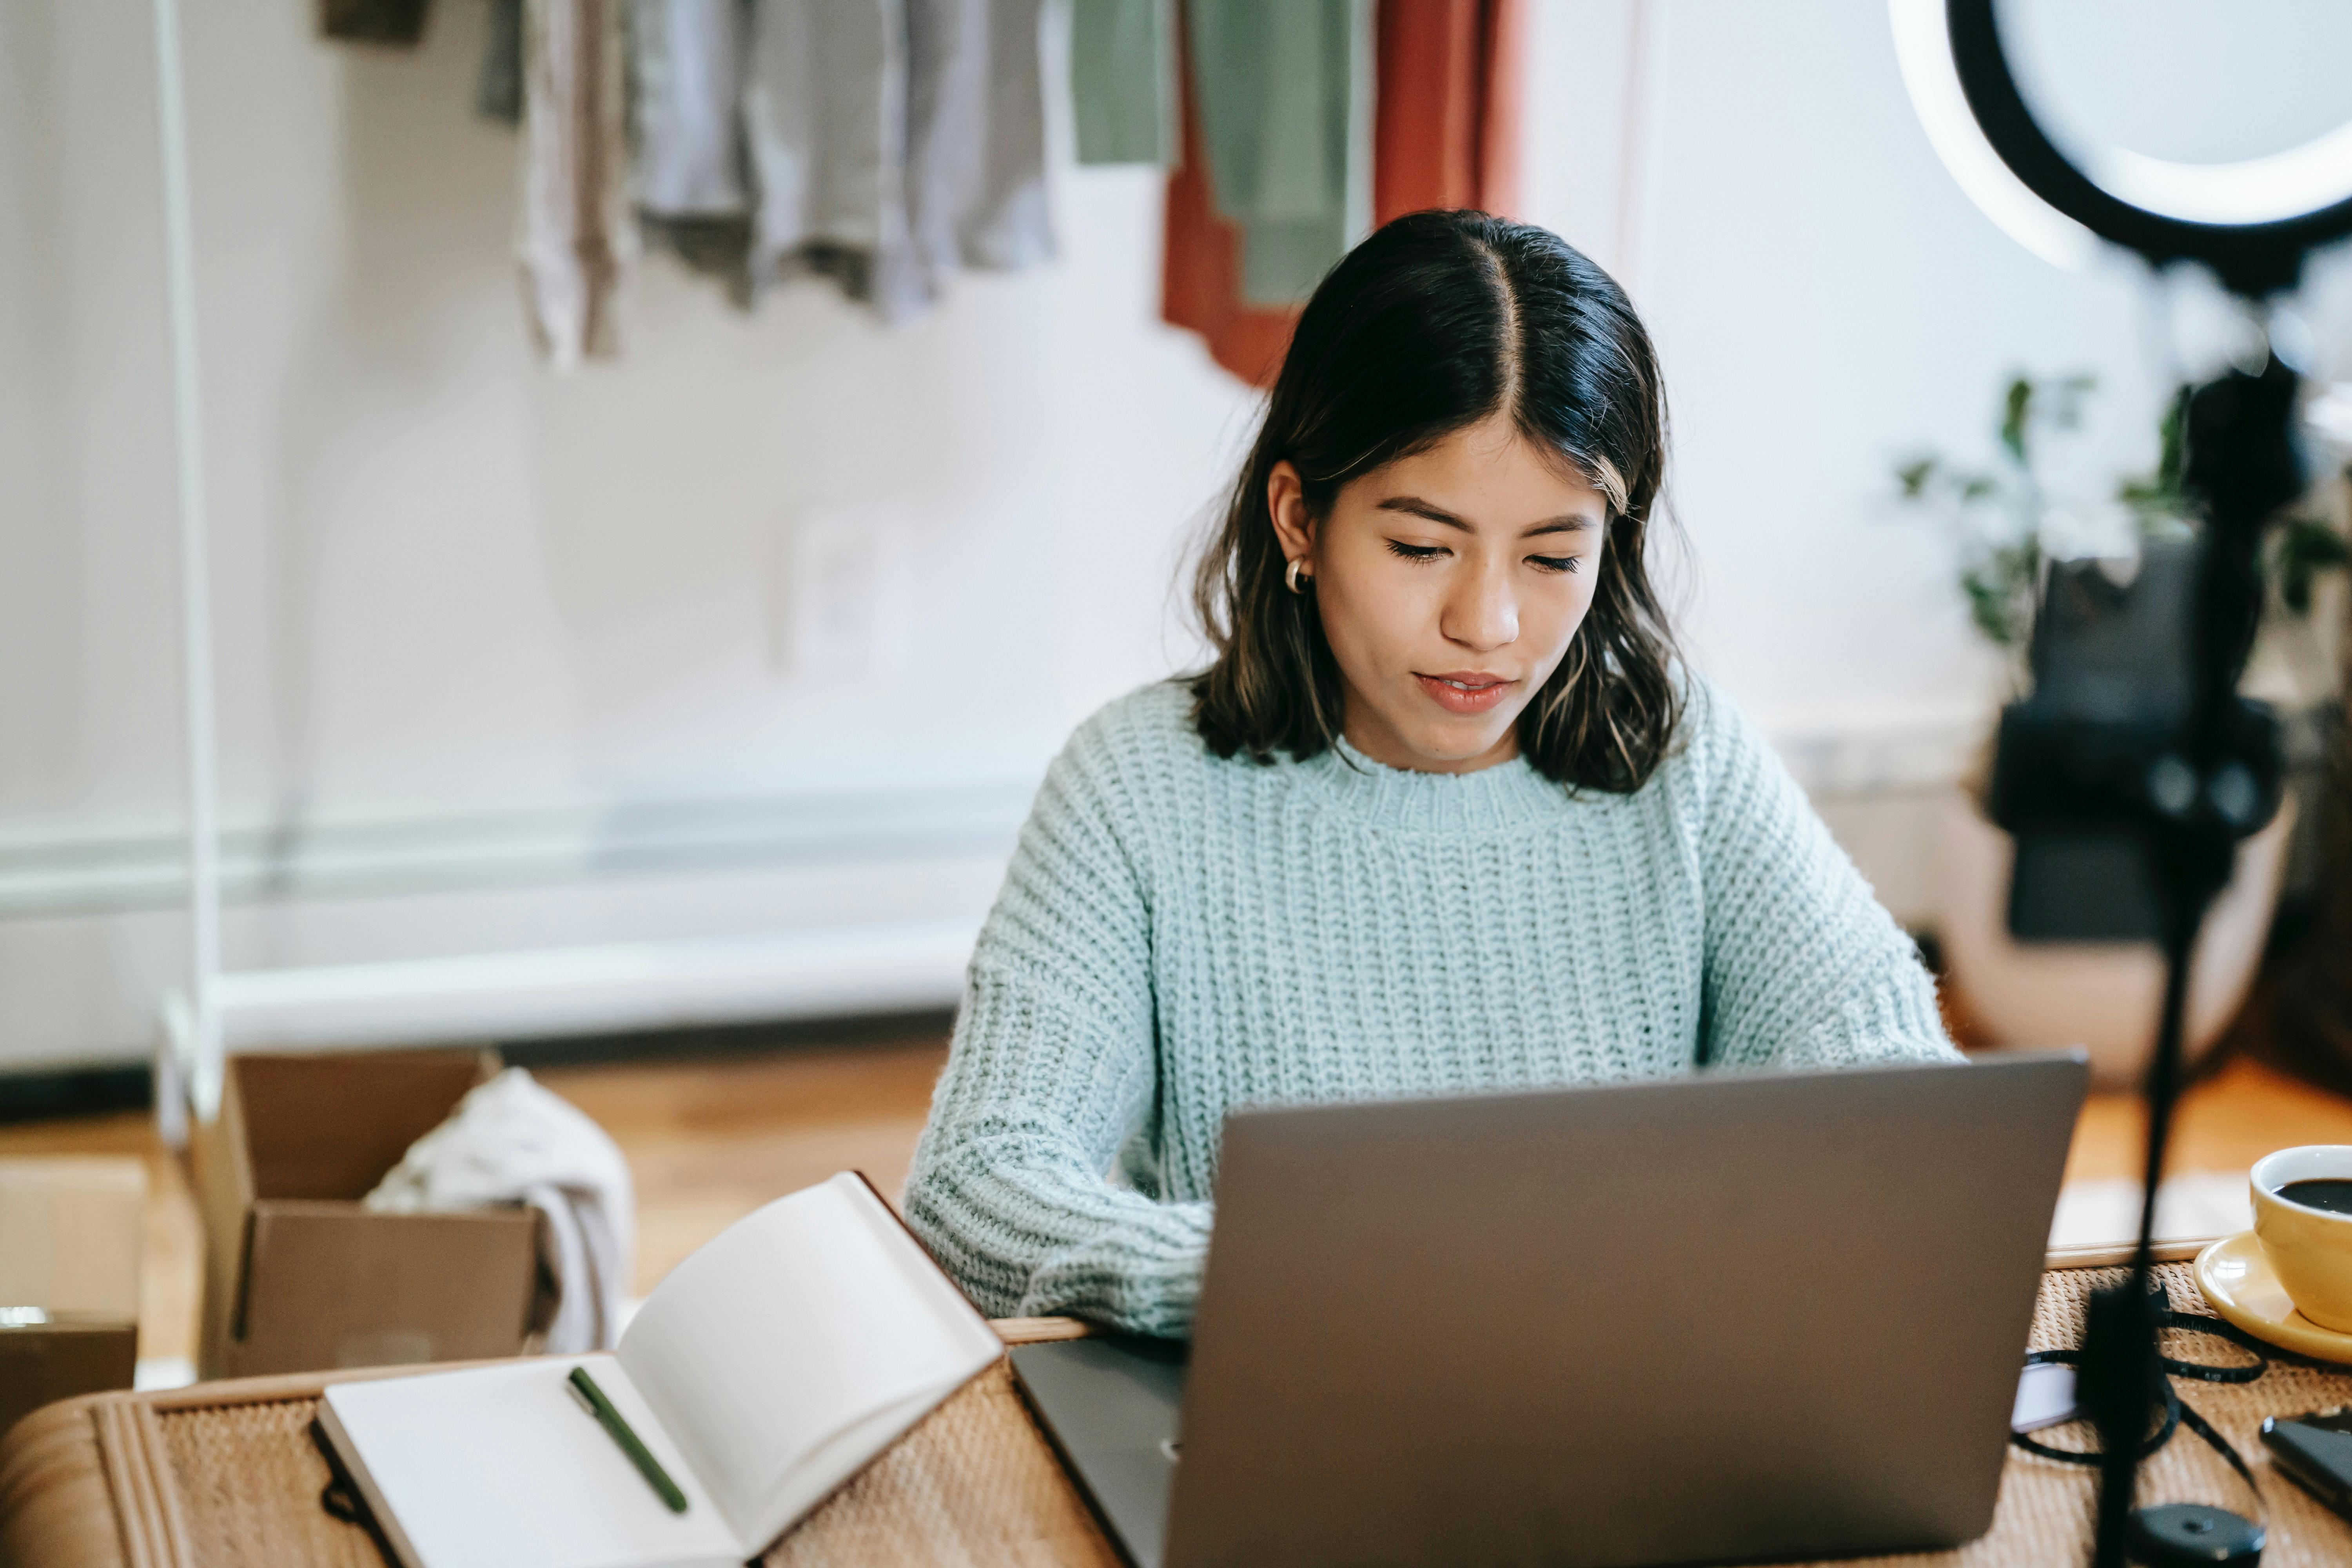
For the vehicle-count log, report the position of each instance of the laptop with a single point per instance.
(1715, 1318)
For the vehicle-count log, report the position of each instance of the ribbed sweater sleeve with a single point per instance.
(1051, 1072)
(1803, 967)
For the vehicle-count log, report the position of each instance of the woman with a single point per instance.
(1444, 815)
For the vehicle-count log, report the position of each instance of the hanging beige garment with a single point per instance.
(577, 235)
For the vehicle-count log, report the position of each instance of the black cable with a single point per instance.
(2178, 1413)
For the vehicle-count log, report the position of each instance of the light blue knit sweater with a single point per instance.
(1179, 934)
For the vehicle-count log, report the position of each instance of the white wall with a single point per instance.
(487, 634)
(466, 604)
(1826, 301)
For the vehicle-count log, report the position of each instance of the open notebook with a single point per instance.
(763, 1372)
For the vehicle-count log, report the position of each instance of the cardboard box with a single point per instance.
(71, 1233)
(297, 1276)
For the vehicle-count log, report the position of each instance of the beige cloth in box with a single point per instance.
(510, 1141)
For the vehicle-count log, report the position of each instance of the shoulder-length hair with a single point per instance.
(1438, 321)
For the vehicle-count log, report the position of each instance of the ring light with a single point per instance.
(2278, 188)
(2253, 221)
(1923, 48)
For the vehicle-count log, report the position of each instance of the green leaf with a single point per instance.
(2313, 539)
(1989, 608)
(2017, 408)
(1914, 476)
(2158, 504)
(2306, 547)
(2173, 441)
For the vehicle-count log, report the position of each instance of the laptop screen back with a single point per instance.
(1707, 1320)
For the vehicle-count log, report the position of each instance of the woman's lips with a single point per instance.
(1466, 690)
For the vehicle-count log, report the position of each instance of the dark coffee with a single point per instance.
(2332, 1193)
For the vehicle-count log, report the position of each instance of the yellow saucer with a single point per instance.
(2239, 1285)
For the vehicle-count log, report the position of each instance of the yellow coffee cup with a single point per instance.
(2309, 1248)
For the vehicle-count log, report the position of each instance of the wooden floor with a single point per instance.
(711, 1140)
(2227, 1122)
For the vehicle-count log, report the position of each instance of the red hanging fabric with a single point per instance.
(1201, 281)
(1445, 133)
(1502, 108)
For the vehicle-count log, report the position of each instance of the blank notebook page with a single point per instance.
(495, 1467)
(800, 1326)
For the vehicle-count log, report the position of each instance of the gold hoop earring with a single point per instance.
(1290, 575)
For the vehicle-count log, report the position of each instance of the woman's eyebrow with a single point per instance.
(1416, 507)
(1570, 522)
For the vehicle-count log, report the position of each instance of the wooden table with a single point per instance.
(225, 1474)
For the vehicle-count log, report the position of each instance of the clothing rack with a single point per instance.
(884, 966)
(188, 1053)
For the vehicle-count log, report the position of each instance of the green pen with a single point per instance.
(591, 1399)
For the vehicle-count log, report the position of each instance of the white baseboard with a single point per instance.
(879, 968)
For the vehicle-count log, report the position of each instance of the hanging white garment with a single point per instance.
(1006, 222)
(686, 60)
(947, 125)
(576, 233)
(510, 1141)
(886, 143)
(976, 154)
(824, 114)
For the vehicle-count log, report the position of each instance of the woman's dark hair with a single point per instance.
(1438, 321)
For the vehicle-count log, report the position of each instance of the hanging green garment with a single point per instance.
(1123, 80)
(372, 21)
(498, 90)
(1285, 98)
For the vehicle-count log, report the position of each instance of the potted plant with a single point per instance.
(2007, 521)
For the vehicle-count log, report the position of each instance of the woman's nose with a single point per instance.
(1483, 614)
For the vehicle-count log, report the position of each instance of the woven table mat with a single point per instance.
(2045, 1513)
(249, 1478)
(976, 1484)
(973, 1484)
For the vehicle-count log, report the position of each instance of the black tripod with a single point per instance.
(2179, 769)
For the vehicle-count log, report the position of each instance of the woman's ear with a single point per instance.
(1286, 502)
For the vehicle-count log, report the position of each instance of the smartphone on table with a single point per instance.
(2316, 1449)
